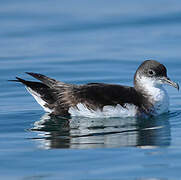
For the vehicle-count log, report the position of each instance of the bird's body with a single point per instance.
(147, 97)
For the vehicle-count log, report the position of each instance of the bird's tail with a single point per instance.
(42, 93)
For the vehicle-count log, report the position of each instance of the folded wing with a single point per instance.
(57, 97)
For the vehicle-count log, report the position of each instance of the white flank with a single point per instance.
(108, 111)
(39, 99)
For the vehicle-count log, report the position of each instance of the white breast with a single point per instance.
(156, 93)
(160, 100)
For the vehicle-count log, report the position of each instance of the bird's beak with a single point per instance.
(166, 80)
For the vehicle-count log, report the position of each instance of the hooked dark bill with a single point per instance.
(168, 81)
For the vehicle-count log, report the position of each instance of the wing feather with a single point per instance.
(97, 95)
(46, 80)
(59, 96)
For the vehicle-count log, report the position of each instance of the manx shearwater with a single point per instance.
(147, 97)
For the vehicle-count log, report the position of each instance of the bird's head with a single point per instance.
(152, 73)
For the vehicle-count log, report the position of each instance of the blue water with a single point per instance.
(79, 42)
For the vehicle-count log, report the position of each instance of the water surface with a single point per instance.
(80, 42)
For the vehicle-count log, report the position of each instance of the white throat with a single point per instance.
(156, 93)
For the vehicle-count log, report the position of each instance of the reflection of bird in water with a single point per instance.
(79, 132)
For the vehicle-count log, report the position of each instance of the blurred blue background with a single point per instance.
(79, 42)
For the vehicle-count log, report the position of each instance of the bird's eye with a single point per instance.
(151, 72)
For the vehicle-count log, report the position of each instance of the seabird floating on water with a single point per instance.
(147, 97)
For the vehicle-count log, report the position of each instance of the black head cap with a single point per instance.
(152, 68)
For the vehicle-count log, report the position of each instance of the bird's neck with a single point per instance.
(154, 95)
(148, 87)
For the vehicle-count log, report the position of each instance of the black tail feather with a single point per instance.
(43, 90)
(31, 84)
(18, 80)
(13, 80)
